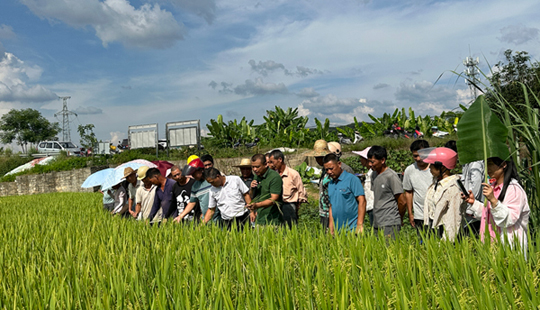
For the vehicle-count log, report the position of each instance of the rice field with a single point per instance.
(61, 251)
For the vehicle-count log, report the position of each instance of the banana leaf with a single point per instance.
(481, 134)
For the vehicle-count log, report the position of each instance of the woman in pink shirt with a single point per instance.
(507, 210)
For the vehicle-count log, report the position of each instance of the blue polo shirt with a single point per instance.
(342, 193)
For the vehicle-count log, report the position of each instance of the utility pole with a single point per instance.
(471, 72)
(65, 119)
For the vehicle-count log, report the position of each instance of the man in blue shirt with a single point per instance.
(163, 198)
(347, 200)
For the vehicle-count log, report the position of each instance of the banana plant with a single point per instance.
(481, 134)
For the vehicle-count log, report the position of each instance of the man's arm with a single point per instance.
(402, 204)
(137, 209)
(361, 213)
(209, 214)
(155, 207)
(186, 211)
(265, 203)
(409, 202)
(247, 198)
(330, 220)
(130, 204)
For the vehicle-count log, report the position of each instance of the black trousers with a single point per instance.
(290, 216)
(240, 221)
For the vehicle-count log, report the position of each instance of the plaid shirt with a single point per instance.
(324, 199)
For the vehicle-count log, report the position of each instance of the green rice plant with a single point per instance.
(62, 251)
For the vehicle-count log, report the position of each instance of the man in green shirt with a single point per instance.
(266, 191)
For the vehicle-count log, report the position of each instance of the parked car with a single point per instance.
(54, 148)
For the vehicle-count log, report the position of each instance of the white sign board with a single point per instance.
(104, 148)
(183, 136)
(183, 133)
(142, 136)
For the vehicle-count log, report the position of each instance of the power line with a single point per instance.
(65, 119)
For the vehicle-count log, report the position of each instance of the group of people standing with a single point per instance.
(430, 193)
(267, 191)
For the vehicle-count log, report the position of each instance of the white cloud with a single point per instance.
(14, 78)
(338, 110)
(114, 20)
(116, 136)
(518, 34)
(259, 87)
(6, 32)
(307, 92)
(264, 67)
(88, 110)
(424, 92)
(204, 8)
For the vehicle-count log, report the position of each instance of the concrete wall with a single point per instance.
(63, 181)
(70, 181)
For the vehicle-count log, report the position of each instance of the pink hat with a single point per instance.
(443, 155)
(363, 153)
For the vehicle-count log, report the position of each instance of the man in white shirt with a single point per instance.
(145, 196)
(230, 195)
(416, 180)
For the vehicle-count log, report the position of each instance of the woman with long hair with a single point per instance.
(507, 210)
(443, 206)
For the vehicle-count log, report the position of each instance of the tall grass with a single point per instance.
(62, 251)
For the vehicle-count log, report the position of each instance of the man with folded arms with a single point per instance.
(294, 192)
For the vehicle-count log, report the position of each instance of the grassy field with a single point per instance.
(61, 251)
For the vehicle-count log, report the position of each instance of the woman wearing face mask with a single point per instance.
(443, 206)
(507, 210)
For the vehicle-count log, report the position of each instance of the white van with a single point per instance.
(54, 148)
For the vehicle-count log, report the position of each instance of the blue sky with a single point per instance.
(127, 62)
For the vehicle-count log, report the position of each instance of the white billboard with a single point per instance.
(141, 136)
(185, 133)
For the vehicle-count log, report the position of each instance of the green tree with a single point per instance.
(88, 137)
(507, 76)
(26, 126)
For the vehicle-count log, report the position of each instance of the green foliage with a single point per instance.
(355, 163)
(408, 122)
(26, 126)
(284, 128)
(9, 162)
(306, 174)
(322, 131)
(508, 78)
(481, 134)
(129, 155)
(227, 134)
(61, 251)
(87, 135)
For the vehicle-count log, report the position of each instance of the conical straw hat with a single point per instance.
(245, 162)
(319, 149)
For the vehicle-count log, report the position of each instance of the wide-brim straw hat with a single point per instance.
(128, 171)
(319, 149)
(245, 162)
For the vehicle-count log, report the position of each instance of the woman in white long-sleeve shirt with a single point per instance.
(507, 210)
(120, 200)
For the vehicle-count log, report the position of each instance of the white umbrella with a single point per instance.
(97, 178)
(117, 174)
